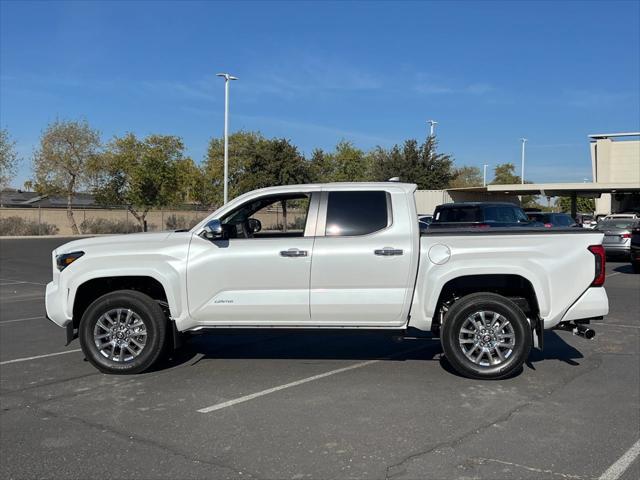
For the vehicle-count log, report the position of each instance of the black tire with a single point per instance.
(155, 332)
(636, 266)
(458, 315)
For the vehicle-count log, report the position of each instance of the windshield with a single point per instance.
(616, 223)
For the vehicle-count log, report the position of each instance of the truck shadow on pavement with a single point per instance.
(360, 347)
(624, 269)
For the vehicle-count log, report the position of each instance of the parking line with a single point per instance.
(25, 298)
(17, 360)
(616, 470)
(21, 281)
(612, 274)
(19, 320)
(262, 393)
(615, 325)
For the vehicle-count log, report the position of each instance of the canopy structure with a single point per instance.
(572, 190)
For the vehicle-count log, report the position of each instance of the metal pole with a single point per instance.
(524, 140)
(484, 175)
(226, 140)
(227, 78)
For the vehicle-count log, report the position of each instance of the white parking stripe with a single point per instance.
(616, 470)
(26, 359)
(614, 325)
(262, 393)
(612, 274)
(26, 298)
(20, 281)
(19, 320)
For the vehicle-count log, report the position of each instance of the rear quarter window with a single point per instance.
(357, 213)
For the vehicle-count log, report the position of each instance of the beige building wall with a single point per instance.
(615, 161)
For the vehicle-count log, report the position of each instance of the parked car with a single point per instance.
(635, 249)
(627, 215)
(480, 215)
(553, 220)
(487, 295)
(617, 235)
(587, 220)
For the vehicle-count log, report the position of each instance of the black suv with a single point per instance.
(635, 249)
(480, 215)
(553, 220)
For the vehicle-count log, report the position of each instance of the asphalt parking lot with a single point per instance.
(312, 406)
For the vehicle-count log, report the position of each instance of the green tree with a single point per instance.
(321, 166)
(414, 163)
(584, 205)
(504, 174)
(243, 149)
(350, 164)
(140, 174)
(8, 158)
(189, 179)
(62, 162)
(466, 177)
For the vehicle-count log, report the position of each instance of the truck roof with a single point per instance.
(405, 187)
(475, 204)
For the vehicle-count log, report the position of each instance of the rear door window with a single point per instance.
(357, 213)
(459, 214)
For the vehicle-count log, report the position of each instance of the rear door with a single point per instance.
(364, 258)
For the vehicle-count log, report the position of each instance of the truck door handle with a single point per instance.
(293, 252)
(388, 252)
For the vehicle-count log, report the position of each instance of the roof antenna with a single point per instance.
(394, 179)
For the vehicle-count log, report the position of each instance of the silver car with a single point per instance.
(617, 235)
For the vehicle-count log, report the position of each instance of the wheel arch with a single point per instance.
(91, 289)
(513, 286)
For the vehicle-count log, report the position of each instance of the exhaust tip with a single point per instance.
(584, 332)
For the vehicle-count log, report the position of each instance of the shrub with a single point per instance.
(180, 222)
(14, 226)
(103, 225)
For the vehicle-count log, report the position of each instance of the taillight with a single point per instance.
(548, 225)
(626, 235)
(598, 253)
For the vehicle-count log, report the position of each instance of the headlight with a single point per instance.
(66, 259)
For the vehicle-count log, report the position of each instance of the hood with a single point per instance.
(113, 241)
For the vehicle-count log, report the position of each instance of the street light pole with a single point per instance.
(484, 175)
(432, 128)
(227, 78)
(524, 140)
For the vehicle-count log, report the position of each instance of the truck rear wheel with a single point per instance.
(123, 332)
(486, 336)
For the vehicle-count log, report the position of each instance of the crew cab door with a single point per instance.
(364, 258)
(260, 273)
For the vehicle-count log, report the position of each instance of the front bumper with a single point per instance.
(56, 303)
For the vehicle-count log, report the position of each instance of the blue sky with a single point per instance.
(372, 73)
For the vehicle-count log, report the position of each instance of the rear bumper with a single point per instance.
(55, 303)
(617, 249)
(593, 303)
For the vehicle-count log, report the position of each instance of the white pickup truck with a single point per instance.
(328, 256)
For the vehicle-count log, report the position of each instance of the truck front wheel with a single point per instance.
(123, 332)
(486, 336)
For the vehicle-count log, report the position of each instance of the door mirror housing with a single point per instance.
(213, 230)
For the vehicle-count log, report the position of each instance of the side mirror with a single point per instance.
(213, 230)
